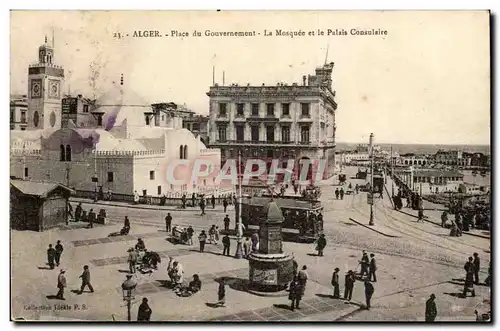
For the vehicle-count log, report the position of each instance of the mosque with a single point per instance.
(118, 143)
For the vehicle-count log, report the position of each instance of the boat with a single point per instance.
(483, 173)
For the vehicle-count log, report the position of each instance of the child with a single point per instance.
(222, 294)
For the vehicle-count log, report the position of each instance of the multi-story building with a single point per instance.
(198, 125)
(411, 159)
(276, 122)
(18, 112)
(453, 158)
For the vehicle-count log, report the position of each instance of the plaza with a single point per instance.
(414, 260)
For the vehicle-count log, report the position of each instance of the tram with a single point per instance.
(301, 216)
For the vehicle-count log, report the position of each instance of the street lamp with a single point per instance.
(239, 233)
(128, 289)
(371, 180)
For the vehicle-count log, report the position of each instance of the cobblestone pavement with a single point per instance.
(421, 261)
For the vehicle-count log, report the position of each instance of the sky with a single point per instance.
(427, 81)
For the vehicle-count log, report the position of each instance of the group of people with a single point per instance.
(54, 254)
(82, 216)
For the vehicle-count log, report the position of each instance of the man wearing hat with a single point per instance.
(349, 285)
(61, 284)
(369, 289)
(430, 309)
(335, 283)
(365, 263)
(132, 260)
(85, 276)
(144, 313)
(373, 267)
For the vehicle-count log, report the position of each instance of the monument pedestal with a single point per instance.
(271, 269)
(270, 274)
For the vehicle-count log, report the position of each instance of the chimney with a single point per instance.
(304, 80)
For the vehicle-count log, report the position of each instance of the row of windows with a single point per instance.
(270, 109)
(270, 133)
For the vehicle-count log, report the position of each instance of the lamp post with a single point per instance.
(239, 233)
(128, 289)
(371, 180)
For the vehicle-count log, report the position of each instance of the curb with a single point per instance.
(166, 208)
(426, 218)
(368, 227)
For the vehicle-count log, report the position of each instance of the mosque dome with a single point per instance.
(122, 103)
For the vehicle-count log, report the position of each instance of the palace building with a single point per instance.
(277, 122)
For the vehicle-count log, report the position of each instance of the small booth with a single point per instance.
(38, 206)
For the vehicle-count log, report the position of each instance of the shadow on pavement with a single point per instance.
(52, 297)
(456, 295)
(325, 296)
(44, 268)
(234, 283)
(282, 306)
(212, 305)
(124, 271)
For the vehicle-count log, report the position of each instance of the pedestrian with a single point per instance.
(373, 267)
(335, 283)
(320, 218)
(487, 281)
(183, 199)
(420, 215)
(193, 199)
(408, 201)
(168, 222)
(202, 206)
(202, 238)
(247, 246)
(303, 277)
(91, 218)
(51, 255)
(216, 234)
(144, 312)
(469, 277)
(349, 285)
(213, 201)
(337, 193)
(227, 221)
(477, 267)
(227, 244)
(211, 234)
(341, 192)
(295, 293)
(365, 263)
(224, 204)
(190, 233)
(357, 189)
(295, 267)
(85, 276)
(321, 244)
(136, 197)
(70, 211)
(255, 241)
(444, 219)
(78, 212)
(430, 309)
(61, 285)
(140, 246)
(369, 289)
(58, 251)
(132, 260)
(221, 294)
(110, 194)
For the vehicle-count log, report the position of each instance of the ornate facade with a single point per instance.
(276, 122)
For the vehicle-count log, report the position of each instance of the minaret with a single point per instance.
(45, 83)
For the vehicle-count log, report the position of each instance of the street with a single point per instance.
(414, 260)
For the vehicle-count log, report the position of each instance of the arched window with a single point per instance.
(68, 153)
(181, 152)
(185, 151)
(62, 157)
